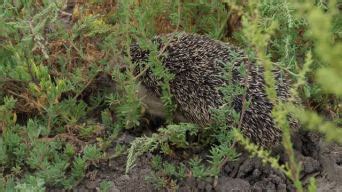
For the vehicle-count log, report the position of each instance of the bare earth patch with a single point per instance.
(319, 159)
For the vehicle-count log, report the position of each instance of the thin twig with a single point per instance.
(34, 102)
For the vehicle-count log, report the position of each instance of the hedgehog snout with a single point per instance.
(150, 102)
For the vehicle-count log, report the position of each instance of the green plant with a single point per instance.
(60, 110)
(40, 97)
(158, 182)
(105, 186)
(171, 135)
(32, 184)
(258, 35)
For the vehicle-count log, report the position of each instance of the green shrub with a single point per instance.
(54, 110)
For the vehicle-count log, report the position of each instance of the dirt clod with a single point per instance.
(228, 184)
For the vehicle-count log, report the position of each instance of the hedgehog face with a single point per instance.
(151, 103)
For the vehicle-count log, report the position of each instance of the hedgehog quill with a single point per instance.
(197, 63)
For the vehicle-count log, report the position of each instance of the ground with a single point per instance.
(319, 159)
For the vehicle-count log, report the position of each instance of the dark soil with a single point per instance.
(319, 159)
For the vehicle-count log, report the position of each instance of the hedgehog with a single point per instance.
(197, 63)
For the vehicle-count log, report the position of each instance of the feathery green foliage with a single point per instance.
(64, 97)
(260, 35)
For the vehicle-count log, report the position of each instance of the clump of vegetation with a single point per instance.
(64, 98)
